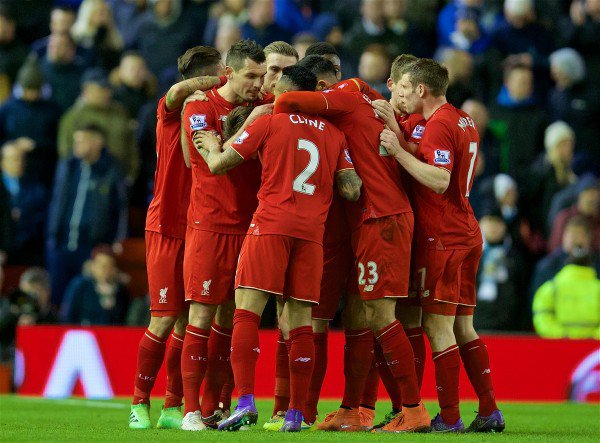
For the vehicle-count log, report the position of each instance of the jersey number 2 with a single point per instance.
(300, 184)
(473, 152)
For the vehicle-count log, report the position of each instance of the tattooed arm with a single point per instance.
(348, 184)
(208, 146)
(180, 91)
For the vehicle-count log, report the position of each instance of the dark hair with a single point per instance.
(300, 77)
(318, 65)
(321, 48)
(235, 120)
(242, 50)
(430, 73)
(199, 60)
(92, 127)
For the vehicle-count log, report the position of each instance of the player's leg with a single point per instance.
(250, 304)
(219, 370)
(320, 338)
(410, 314)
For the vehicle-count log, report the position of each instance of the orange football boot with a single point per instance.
(345, 420)
(409, 420)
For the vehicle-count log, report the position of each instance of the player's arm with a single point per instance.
(435, 178)
(348, 184)
(357, 85)
(258, 111)
(180, 91)
(385, 111)
(330, 103)
(196, 96)
(219, 162)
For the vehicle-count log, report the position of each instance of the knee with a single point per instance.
(201, 315)
(161, 326)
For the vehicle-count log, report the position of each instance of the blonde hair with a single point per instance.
(84, 34)
(281, 48)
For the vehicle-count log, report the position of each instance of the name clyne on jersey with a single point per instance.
(300, 120)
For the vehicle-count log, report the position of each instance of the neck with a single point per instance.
(229, 94)
(432, 104)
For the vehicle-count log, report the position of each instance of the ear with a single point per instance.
(228, 72)
(421, 90)
(390, 84)
(321, 85)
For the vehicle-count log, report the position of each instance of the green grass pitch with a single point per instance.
(35, 419)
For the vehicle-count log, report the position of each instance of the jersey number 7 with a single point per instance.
(473, 152)
(300, 184)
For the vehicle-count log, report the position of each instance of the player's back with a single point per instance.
(167, 213)
(383, 193)
(299, 159)
(450, 141)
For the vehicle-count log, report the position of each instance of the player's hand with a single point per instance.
(196, 96)
(385, 110)
(390, 142)
(208, 140)
(260, 111)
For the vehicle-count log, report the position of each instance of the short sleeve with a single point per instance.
(436, 147)
(198, 116)
(344, 161)
(253, 138)
(163, 114)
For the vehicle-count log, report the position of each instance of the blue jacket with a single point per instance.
(103, 216)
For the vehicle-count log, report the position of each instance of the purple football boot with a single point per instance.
(245, 414)
(491, 423)
(439, 425)
(292, 421)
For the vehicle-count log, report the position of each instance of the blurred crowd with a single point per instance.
(80, 80)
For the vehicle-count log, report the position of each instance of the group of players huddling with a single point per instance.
(283, 179)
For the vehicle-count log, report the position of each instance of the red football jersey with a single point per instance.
(299, 155)
(167, 213)
(450, 141)
(358, 85)
(412, 127)
(382, 192)
(218, 203)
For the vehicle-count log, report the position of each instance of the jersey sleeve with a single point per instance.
(338, 103)
(253, 138)
(436, 147)
(198, 116)
(358, 85)
(344, 161)
(163, 114)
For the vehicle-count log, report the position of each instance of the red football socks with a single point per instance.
(477, 365)
(400, 358)
(151, 353)
(416, 337)
(244, 350)
(447, 371)
(226, 391)
(174, 383)
(282, 376)
(369, 395)
(390, 383)
(194, 360)
(318, 375)
(219, 367)
(358, 355)
(302, 361)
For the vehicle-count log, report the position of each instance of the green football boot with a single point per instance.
(170, 418)
(275, 423)
(139, 417)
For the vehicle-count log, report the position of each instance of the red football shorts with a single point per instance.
(281, 265)
(446, 280)
(338, 261)
(209, 265)
(164, 265)
(382, 248)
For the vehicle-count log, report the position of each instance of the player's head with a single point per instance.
(245, 69)
(323, 69)
(279, 55)
(421, 80)
(200, 60)
(235, 120)
(328, 52)
(398, 66)
(295, 78)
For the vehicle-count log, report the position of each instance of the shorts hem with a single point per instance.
(316, 303)
(259, 289)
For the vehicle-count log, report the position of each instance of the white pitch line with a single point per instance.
(77, 402)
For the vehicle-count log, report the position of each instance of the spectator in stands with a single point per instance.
(62, 69)
(33, 298)
(500, 280)
(395, 16)
(489, 144)
(576, 235)
(95, 31)
(228, 12)
(96, 106)
(576, 102)
(460, 71)
(228, 33)
(97, 296)
(550, 173)
(581, 30)
(568, 305)
(27, 198)
(326, 28)
(165, 33)
(132, 83)
(62, 20)
(515, 112)
(374, 68)
(28, 114)
(129, 16)
(261, 25)
(12, 52)
(587, 206)
(372, 28)
(88, 206)
(302, 42)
